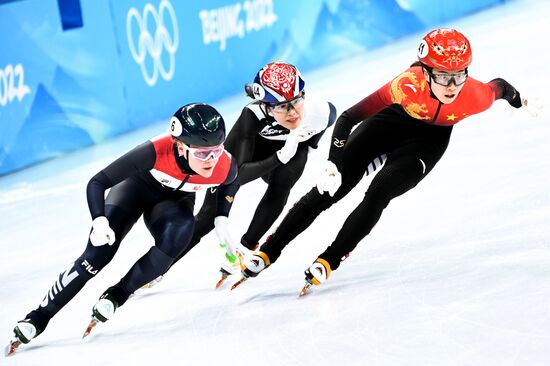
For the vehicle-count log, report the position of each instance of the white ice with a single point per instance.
(457, 271)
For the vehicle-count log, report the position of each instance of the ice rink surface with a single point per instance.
(457, 271)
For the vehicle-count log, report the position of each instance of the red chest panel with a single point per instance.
(412, 92)
(167, 171)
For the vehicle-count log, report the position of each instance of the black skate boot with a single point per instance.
(31, 327)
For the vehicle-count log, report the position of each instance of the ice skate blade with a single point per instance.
(305, 290)
(91, 326)
(12, 347)
(238, 283)
(221, 281)
(151, 283)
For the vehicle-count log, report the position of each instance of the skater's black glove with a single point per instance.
(509, 93)
(513, 98)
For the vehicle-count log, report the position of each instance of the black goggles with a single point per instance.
(446, 79)
(286, 106)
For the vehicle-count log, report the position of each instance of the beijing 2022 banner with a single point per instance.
(77, 72)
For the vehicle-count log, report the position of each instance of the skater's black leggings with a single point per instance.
(167, 215)
(279, 183)
(413, 149)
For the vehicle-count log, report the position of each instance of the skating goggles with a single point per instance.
(206, 153)
(286, 106)
(458, 78)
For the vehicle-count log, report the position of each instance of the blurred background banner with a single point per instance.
(77, 72)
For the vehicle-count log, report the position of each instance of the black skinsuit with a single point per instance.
(167, 212)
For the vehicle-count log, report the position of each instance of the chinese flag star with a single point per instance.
(451, 117)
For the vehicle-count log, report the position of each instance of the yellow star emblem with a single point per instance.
(451, 117)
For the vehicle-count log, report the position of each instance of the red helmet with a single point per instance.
(445, 49)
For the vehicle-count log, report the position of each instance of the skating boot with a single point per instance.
(316, 274)
(229, 266)
(232, 264)
(102, 311)
(24, 331)
(251, 266)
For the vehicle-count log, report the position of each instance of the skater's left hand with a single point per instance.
(221, 226)
(330, 180)
(101, 233)
(514, 98)
(509, 93)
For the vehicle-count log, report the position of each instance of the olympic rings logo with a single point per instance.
(147, 44)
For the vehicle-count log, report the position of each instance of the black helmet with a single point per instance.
(198, 124)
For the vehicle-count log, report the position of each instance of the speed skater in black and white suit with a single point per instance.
(157, 179)
(270, 140)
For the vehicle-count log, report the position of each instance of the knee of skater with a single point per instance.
(173, 246)
(173, 249)
(175, 238)
(377, 198)
(161, 258)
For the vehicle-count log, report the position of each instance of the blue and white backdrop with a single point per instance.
(76, 72)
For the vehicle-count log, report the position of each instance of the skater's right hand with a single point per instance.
(330, 180)
(291, 145)
(221, 226)
(101, 232)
